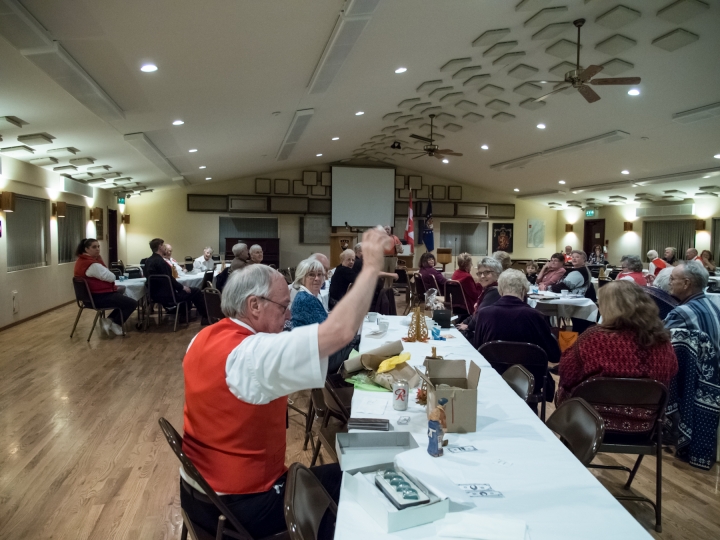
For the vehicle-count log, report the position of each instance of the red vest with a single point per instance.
(97, 286)
(237, 447)
(659, 265)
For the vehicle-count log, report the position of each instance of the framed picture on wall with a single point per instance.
(536, 233)
(262, 186)
(309, 178)
(455, 193)
(326, 179)
(318, 191)
(502, 237)
(299, 188)
(403, 194)
(414, 182)
(282, 186)
(399, 182)
(438, 193)
(422, 193)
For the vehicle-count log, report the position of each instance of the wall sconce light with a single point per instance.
(96, 214)
(568, 227)
(699, 224)
(627, 226)
(7, 201)
(126, 219)
(59, 209)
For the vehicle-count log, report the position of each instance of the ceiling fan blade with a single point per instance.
(445, 151)
(438, 156)
(421, 155)
(546, 82)
(453, 154)
(617, 80)
(589, 94)
(543, 98)
(420, 138)
(589, 72)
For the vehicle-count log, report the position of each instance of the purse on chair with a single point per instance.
(565, 337)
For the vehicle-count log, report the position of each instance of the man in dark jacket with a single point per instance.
(156, 265)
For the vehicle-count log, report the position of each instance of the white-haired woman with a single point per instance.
(256, 254)
(307, 307)
(240, 251)
(656, 263)
(632, 269)
(488, 271)
(343, 277)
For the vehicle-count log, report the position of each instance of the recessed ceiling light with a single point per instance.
(318, 155)
(708, 176)
(633, 92)
(445, 161)
(624, 171)
(516, 189)
(178, 123)
(717, 156)
(359, 113)
(202, 167)
(209, 178)
(401, 70)
(543, 82)
(485, 147)
(335, 138)
(541, 126)
(148, 68)
(192, 150)
(561, 181)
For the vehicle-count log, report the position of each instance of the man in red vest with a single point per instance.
(238, 374)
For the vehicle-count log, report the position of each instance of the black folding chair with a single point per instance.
(520, 380)
(580, 427)
(420, 289)
(212, 299)
(306, 502)
(189, 262)
(207, 278)
(337, 396)
(84, 300)
(503, 354)
(160, 287)
(609, 394)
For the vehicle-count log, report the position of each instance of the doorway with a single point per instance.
(594, 234)
(112, 236)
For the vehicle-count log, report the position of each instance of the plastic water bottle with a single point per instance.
(534, 289)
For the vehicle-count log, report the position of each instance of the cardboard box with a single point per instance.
(371, 360)
(390, 519)
(461, 392)
(356, 450)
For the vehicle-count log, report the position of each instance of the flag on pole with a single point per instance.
(428, 238)
(410, 228)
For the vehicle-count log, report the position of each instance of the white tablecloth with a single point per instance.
(541, 481)
(580, 308)
(135, 288)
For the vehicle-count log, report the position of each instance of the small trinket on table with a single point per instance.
(437, 424)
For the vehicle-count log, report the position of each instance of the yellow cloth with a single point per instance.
(392, 363)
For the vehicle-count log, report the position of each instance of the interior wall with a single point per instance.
(43, 288)
(164, 214)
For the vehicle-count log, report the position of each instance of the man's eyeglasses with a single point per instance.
(284, 308)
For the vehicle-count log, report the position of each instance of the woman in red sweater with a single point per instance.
(631, 341)
(471, 289)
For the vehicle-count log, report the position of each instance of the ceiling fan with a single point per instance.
(430, 149)
(580, 78)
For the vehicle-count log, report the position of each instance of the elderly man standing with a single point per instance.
(391, 256)
(694, 402)
(204, 262)
(656, 263)
(238, 374)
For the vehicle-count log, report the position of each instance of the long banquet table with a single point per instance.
(541, 481)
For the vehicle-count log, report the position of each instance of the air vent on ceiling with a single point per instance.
(297, 127)
(78, 188)
(40, 162)
(63, 152)
(700, 113)
(666, 211)
(20, 28)
(145, 146)
(36, 139)
(11, 122)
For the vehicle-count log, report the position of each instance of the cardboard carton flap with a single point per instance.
(473, 376)
(446, 369)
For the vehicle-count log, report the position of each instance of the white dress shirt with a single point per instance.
(203, 265)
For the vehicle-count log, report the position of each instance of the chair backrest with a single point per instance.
(503, 354)
(212, 304)
(520, 380)
(580, 427)
(189, 259)
(454, 290)
(333, 401)
(133, 272)
(207, 277)
(175, 441)
(116, 270)
(142, 261)
(160, 287)
(291, 270)
(306, 502)
(83, 296)
(419, 288)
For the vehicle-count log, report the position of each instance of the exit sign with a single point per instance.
(121, 200)
(590, 212)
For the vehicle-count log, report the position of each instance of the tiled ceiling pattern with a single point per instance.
(465, 82)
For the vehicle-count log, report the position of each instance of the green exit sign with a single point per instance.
(590, 212)
(121, 200)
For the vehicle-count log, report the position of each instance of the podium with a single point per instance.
(339, 242)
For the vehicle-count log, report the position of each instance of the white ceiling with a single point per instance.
(225, 66)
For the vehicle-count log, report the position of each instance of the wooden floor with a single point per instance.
(82, 456)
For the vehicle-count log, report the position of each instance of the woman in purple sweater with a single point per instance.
(428, 272)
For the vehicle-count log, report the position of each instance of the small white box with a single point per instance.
(357, 450)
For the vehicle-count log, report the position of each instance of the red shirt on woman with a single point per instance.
(470, 288)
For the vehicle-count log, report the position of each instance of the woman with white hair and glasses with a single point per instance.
(307, 306)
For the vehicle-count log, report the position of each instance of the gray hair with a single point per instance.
(580, 252)
(239, 248)
(696, 273)
(358, 248)
(492, 264)
(464, 261)
(662, 280)
(652, 254)
(672, 250)
(633, 262)
(503, 258)
(255, 280)
(345, 254)
(206, 248)
(513, 282)
(254, 248)
(304, 268)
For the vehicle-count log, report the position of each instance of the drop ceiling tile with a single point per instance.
(551, 30)
(414, 121)
(615, 44)
(562, 49)
(465, 105)
(682, 10)
(444, 117)
(507, 59)
(476, 80)
(405, 118)
(500, 48)
(503, 117)
(433, 109)
(466, 72)
(546, 16)
(497, 105)
(561, 69)
(473, 117)
(522, 71)
(420, 106)
(529, 89)
(490, 37)
(454, 128)
(531, 5)
(392, 116)
(709, 188)
(36, 139)
(490, 90)
(531, 104)
(455, 64)
(62, 152)
(11, 122)
(389, 129)
(405, 103)
(440, 91)
(428, 86)
(111, 175)
(675, 40)
(447, 98)
(618, 17)
(41, 162)
(86, 176)
(616, 67)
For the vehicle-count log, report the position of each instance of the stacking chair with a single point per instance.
(216, 258)
(212, 299)
(520, 380)
(580, 428)
(306, 502)
(605, 394)
(503, 354)
(455, 295)
(419, 288)
(84, 300)
(291, 271)
(207, 278)
(189, 262)
(116, 270)
(119, 265)
(133, 272)
(210, 497)
(337, 401)
(160, 286)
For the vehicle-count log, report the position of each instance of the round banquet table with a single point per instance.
(135, 288)
(556, 305)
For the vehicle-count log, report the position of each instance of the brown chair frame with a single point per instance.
(449, 295)
(306, 501)
(580, 427)
(520, 380)
(335, 408)
(212, 307)
(87, 302)
(160, 306)
(420, 289)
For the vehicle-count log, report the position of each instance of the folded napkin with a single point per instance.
(481, 527)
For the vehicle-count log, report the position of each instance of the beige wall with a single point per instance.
(164, 214)
(43, 288)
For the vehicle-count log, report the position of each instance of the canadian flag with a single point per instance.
(410, 228)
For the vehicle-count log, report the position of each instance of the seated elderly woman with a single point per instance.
(631, 341)
(241, 259)
(577, 278)
(632, 269)
(343, 277)
(432, 278)
(471, 289)
(655, 263)
(659, 290)
(488, 271)
(597, 256)
(706, 258)
(503, 258)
